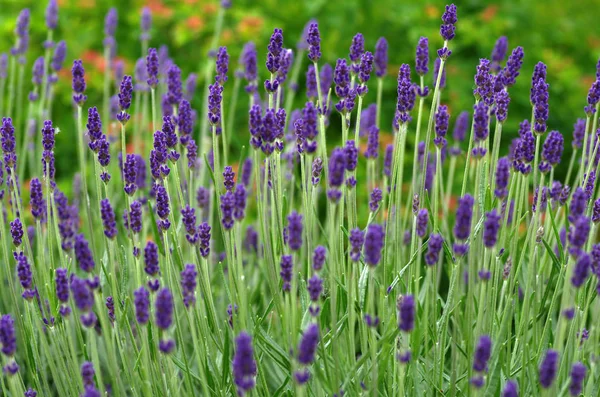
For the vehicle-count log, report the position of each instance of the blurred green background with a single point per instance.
(559, 33)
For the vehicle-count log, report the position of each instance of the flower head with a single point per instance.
(548, 368)
(308, 345)
(243, 365)
(374, 242)
(406, 313)
(381, 57)
(482, 353)
(422, 57)
(164, 309)
(313, 39)
(78, 83)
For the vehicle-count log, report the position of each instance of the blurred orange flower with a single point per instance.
(159, 9)
(195, 23)
(489, 13)
(250, 25)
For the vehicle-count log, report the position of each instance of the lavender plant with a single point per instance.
(305, 270)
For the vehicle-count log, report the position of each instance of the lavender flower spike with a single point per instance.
(313, 38)
(449, 18)
(374, 242)
(381, 57)
(243, 365)
(548, 368)
(78, 83)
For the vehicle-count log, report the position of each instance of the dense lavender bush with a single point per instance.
(302, 269)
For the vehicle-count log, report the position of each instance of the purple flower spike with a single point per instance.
(581, 270)
(449, 18)
(164, 309)
(406, 95)
(294, 230)
(240, 202)
(381, 57)
(357, 239)
(502, 100)
(499, 53)
(460, 126)
(16, 231)
(442, 119)
(577, 376)
(357, 49)
(434, 248)
(125, 93)
(108, 219)
(243, 364)
(484, 82)
(578, 234)
(188, 284)
(317, 169)
(3, 66)
(511, 389)
(387, 160)
(162, 207)
(22, 33)
(480, 128)
(274, 52)
(422, 219)
(374, 242)
(364, 72)
(204, 239)
(548, 368)
(422, 57)
(222, 65)
(502, 175)
(228, 178)
(152, 67)
(145, 24)
(23, 270)
(286, 272)
(7, 335)
(490, 228)
(83, 254)
(62, 285)
(52, 15)
(376, 197)
(83, 297)
(78, 83)
(308, 345)
(513, 67)
(214, 103)
(337, 168)
(315, 288)
(551, 151)
(129, 174)
(482, 354)
(319, 257)
(249, 62)
(406, 313)
(142, 305)
(227, 209)
(462, 225)
(540, 106)
(372, 151)
(174, 88)
(313, 39)
(151, 259)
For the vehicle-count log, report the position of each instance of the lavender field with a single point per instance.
(297, 247)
